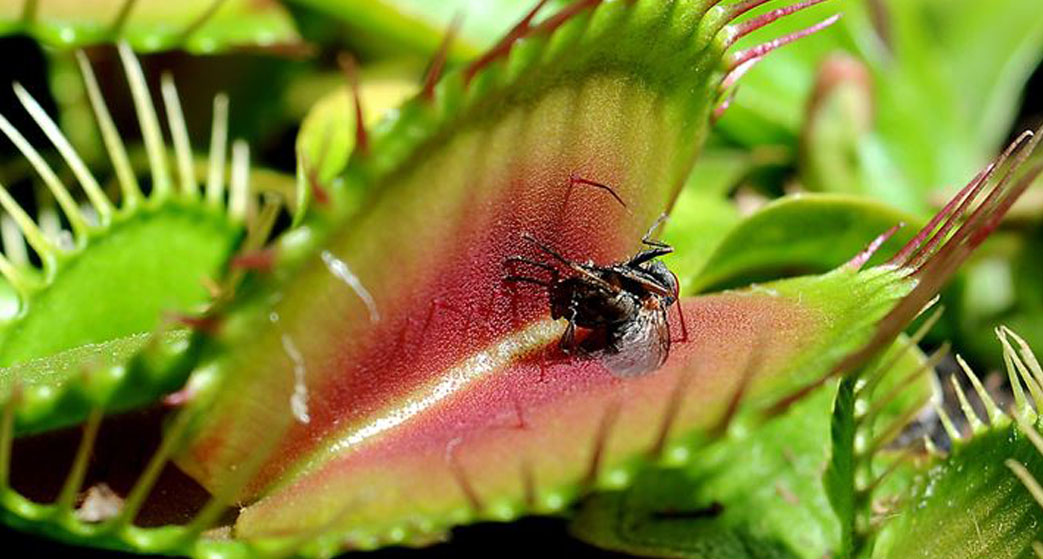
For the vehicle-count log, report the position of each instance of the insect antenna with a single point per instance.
(575, 179)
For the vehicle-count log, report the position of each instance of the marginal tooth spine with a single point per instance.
(128, 180)
(973, 420)
(239, 187)
(761, 50)
(1020, 403)
(1026, 478)
(70, 490)
(14, 242)
(947, 424)
(991, 409)
(150, 130)
(1028, 358)
(147, 480)
(43, 247)
(90, 185)
(50, 179)
(179, 133)
(749, 26)
(215, 179)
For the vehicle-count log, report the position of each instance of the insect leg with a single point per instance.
(680, 311)
(554, 274)
(659, 248)
(526, 279)
(574, 266)
(567, 343)
(648, 240)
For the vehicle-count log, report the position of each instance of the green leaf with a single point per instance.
(125, 274)
(198, 26)
(597, 98)
(794, 235)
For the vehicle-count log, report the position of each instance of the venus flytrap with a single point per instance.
(372, 380)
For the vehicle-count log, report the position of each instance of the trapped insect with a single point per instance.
(621, 308)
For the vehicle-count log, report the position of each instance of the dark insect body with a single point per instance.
(622, 307)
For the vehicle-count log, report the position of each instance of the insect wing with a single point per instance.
(640, 346)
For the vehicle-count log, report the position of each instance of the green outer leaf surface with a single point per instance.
(970, 505)
(154, 25)
(839, 477)
(767, 482)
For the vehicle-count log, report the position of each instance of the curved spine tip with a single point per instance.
(993, 411)
(1012, 359)
(438, 63)
(861, 258)
(763, 49)
(1020, 403)
(349, 67)
(749, 26)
